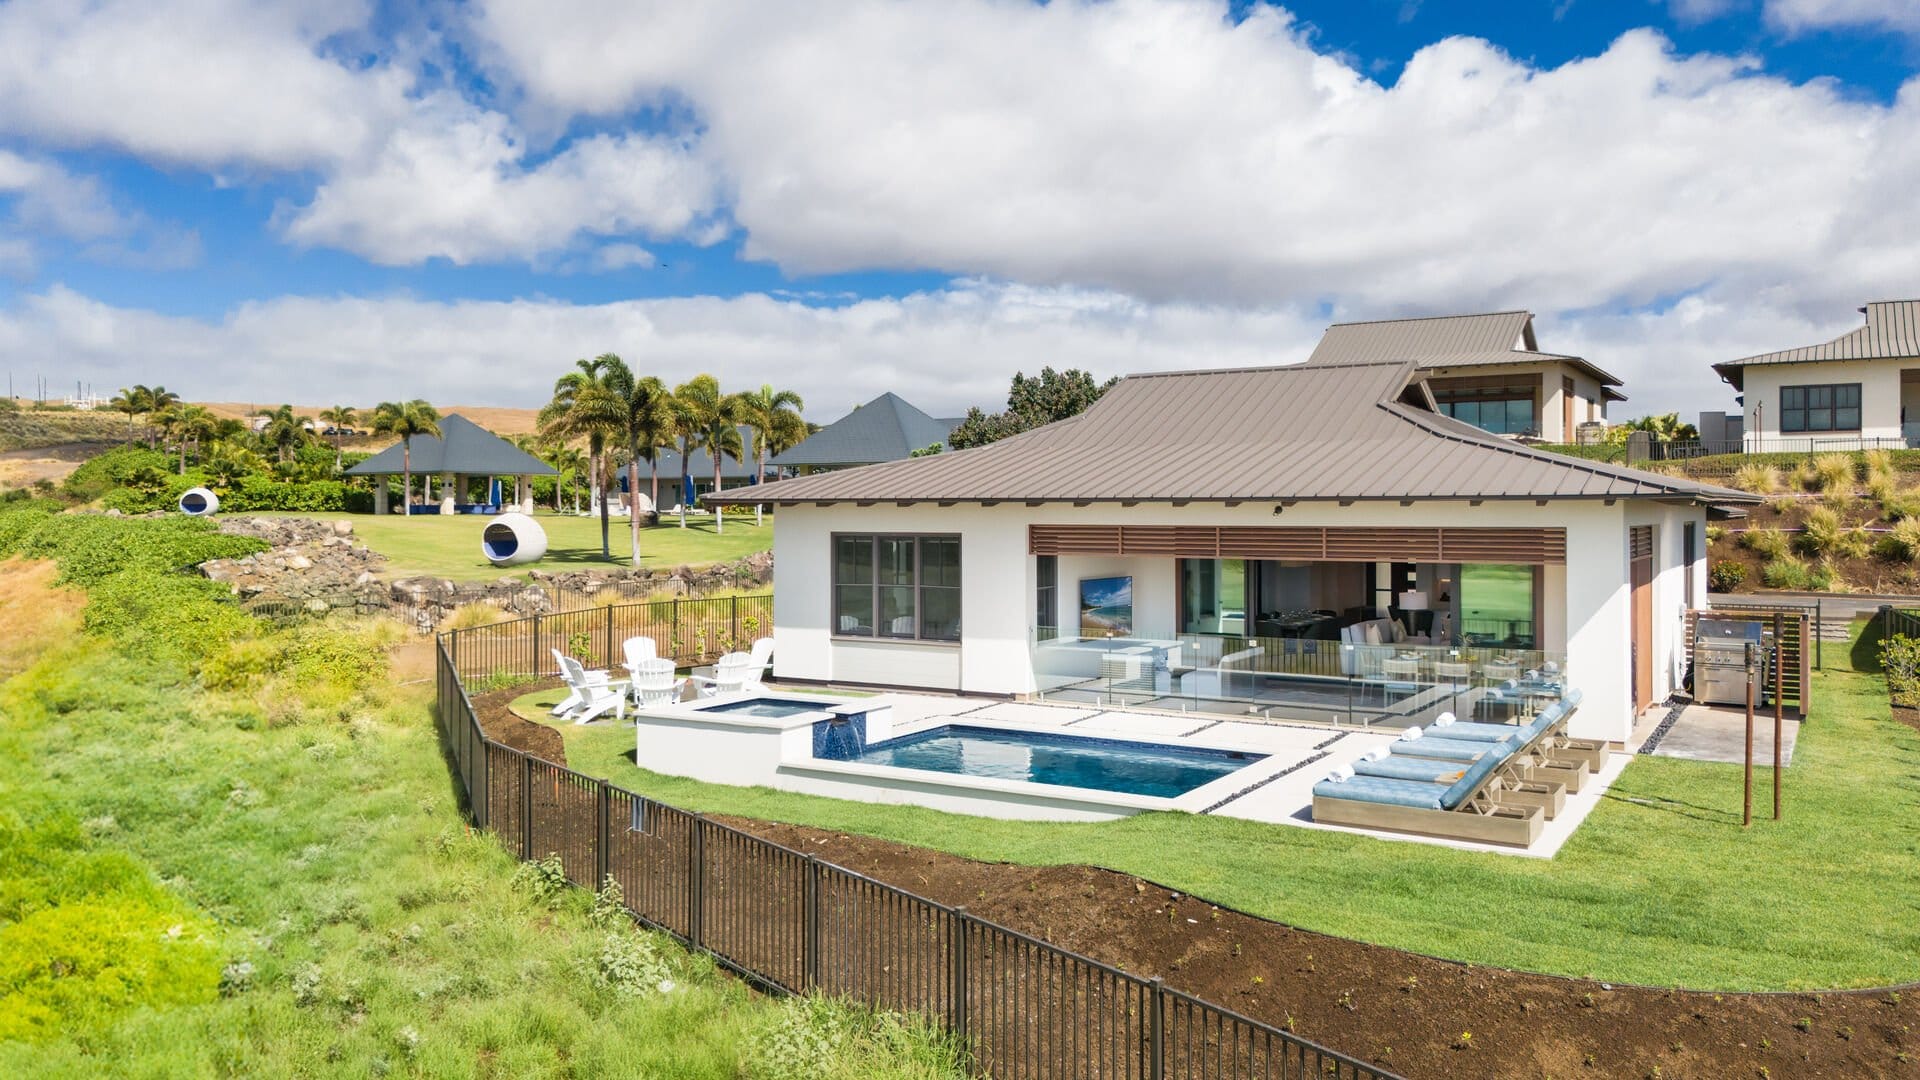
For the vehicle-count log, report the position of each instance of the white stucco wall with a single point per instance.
(1880, 395)
(1587, 610)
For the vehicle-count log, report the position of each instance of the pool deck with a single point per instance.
(1277, 790)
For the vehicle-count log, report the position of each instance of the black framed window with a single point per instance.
(1046, 595)
(1506, 410)
(892, 586)
(1820, 407)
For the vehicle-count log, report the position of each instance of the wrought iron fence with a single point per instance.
(794, 923)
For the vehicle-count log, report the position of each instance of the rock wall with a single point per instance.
(317, 566)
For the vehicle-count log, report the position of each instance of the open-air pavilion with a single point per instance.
(462, 452)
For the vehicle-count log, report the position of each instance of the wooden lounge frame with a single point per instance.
(1482, 817)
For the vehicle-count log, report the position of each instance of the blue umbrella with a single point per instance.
(686, 491)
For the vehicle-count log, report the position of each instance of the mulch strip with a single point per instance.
(1413, 1014)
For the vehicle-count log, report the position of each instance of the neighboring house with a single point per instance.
(884, 429)
(1864, 384)
(1485, 370)
(733, 473)
(1228, 502)
(462, 451)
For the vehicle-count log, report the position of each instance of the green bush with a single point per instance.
(1820, 533)
(1786, 572)
(1900, 659)
(115, 468)
(265, 493)
(1614, 452)
(1768, 543)
(169, 617)
(85, 932)
(91, 547)
(1854, 543)
(1832, 473)
(1726, 576)
(1757, 477)
(1900, 543)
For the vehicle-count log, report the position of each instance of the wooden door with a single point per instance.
(1642, 584)
(1566, 409)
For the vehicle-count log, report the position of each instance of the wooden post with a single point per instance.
(1779, 707)
(1746, 796)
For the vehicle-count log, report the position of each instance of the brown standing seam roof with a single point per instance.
(1892, 331)
(1446, 341)
(1326, 432)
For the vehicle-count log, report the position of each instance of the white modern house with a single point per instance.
(1862, 386)
(1265, 540)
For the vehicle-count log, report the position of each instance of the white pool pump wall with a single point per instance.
(512, 540)
(199, 502)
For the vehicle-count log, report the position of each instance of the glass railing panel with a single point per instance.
(1293, 679)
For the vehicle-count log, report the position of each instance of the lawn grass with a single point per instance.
(315, 840)
(1660, 886)
(449, 547)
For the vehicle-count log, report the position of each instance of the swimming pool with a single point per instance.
(1131, 768)
(765, 707)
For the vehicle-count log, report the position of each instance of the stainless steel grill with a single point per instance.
(1720, 661)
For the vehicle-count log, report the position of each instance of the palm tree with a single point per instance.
(586, 406)
(648, 424)
(133, 401)
(340, 417)
(159, 400)
(284, 431)
(406, 419)
(228, 461)
(706, 421)
(771, 414)
(571, 464)
(189, 424)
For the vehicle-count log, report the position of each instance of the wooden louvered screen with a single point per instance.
(1310, 544)
(1640, 542)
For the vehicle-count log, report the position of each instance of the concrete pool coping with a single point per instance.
(1275, 789)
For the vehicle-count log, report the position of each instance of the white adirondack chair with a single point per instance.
(596, 696)
(655, 683)
(738, 671)
(574, 698)
(638, 649)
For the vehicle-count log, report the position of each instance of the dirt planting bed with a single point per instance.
(1413, 1014)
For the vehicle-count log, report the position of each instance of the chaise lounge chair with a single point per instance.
(1470, 808)
(1517, 756)
(1569, 759)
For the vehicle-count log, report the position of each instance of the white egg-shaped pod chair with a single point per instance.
(512, 540)
(199, 502)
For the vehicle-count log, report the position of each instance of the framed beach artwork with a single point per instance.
(1106, 607)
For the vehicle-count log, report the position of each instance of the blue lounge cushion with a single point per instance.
(1380, 789)
(1471, 779)
(1429, 770)
(1454, 749)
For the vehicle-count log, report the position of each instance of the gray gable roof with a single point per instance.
(700, 463)
(1892, 331)
(1448, 341)
(884, 429)
(463, 447)
(1302, 432)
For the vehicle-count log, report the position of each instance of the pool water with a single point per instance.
(1130, 768)
(767, 708)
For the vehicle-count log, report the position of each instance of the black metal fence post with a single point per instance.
(811, 935)
(1156, 1029)
(526, 807)
(696, 872)
(733, 620)
(602, 835)
(957, 968)
(612, 657)
(535, 669)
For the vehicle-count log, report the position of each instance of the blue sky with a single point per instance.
(320, 201)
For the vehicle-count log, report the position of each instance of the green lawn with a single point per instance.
(449, 547)
(1660, 885)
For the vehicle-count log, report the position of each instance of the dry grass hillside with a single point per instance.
(493, 418)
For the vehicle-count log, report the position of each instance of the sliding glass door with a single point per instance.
(1213, 596)
(1497, 605)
